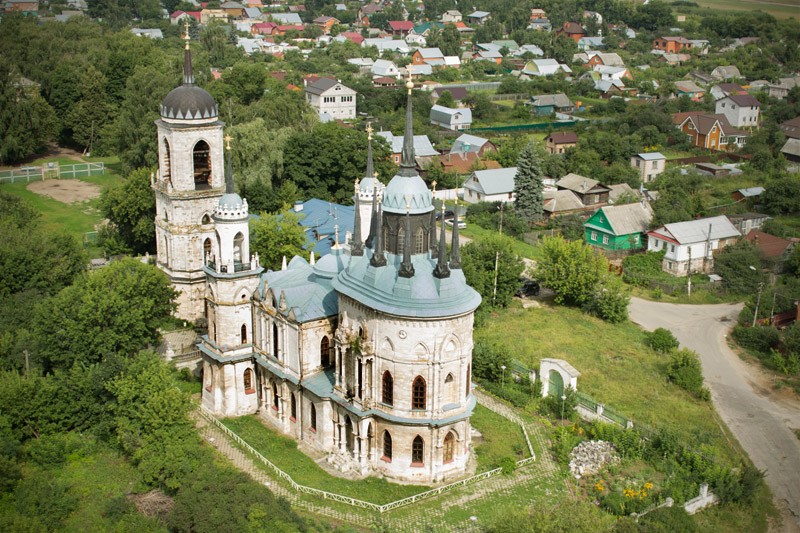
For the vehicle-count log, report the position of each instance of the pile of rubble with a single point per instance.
(590, 456)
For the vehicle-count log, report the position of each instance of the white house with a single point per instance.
(692, 241)
(384, 67)
(423, 149)
(544, 67)
(451, 119)
(331, 97)
(741, 110)
(728, 72)
(495, 185)
(364, 64)
(649, 165)
(387, 43)
(452, 16)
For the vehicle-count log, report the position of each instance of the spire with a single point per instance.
(188, 75)
(229, 188)
(406, 268)
(378, 258)
(357, 245)
(432, 234)
(370, 169)
(408, 165)
(442, 270)
(455, 255)
(373, 223)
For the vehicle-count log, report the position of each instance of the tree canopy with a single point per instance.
(275, 236)
(130, 208)
(478, 261)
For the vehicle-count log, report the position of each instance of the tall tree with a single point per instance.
(571, 268)
(528, 184)
(88, 116)
(130, 208)
(492, 268)
(276, 236)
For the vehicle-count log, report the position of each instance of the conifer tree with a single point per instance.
(528, 184)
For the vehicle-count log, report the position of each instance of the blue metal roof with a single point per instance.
(319, 217)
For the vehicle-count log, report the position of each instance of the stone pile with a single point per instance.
(590, 456)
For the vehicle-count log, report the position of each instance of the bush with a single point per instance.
(508, 465)
(610, 302)
(553, 405)
(760, 338)
(666, 520)
(638, 269)
(661, 340)
(511, 392)
(739, 485)
(488, 361)
(684, 370)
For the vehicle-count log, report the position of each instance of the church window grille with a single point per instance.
(387, 395)
(292, 408)
(248, 382)
(387, 447)
(418, 393)
(238, 244)
(401, 241)
(420, 241)
(417, 451)
(313, 417)
(244, 334)
(325, 352)
(201, 159)
(275, 341)
(449, 447)
(275, 396)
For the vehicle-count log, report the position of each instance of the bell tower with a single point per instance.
(188, 186)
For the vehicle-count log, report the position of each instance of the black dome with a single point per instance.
(189, 102)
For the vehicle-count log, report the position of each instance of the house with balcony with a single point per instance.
(709, 131)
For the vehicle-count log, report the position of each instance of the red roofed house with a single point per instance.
(400, 28)
(179, 16)
(774, 250)
(263, 28)
(573, 30)
(326, 23)
(353, 36)
(672, 45)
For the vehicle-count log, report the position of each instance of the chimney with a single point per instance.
(298, 206)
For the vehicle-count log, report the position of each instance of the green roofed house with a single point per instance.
(619, 227)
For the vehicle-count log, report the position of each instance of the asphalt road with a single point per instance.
(761, 421)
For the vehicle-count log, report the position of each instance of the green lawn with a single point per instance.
(523, 249)
(616, 368)
(501, 438)
(778, 9)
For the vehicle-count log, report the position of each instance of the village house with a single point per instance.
(791, 150)
(385, 68)
(451, 119)
(495, 185)
(550, 104)
(774, 250)
(559, 142)
(451, 16)
(674, 59)
(791, 128)
(712, 132)
(729, 72)
(466, 143)
(207, 15)
(619, 227)
(607, 59)
(326, 24)
(747, 222)
(690, 245)
(26, 7)
(721, 90)
(689, 89)
(429, 56)
(573, 30)
(423, 149)
(180, 17)
(544, 67)
(562, 202)
(672, 45)
(649, 165)
(330, 97)
(478, 17)
(538, 20)
(459, 94)
(590, 192)
(233, 9)
(741, 110)
(590, 43)
(400, 28)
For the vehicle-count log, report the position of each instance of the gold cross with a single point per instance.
(228, 140)
(433, 183)
(369, 130)
(186, 35)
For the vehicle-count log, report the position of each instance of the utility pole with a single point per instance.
(758, 302)
(689, 275)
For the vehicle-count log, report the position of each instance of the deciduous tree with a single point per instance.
(479, 258)
(571, 268)
(276, 236)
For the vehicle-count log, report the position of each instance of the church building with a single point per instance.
(363, 355)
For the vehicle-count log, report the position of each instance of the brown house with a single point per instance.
(774, 250)
(557, 143)
(590, 192)
(573, 30)
(709, 131)
(672, 45)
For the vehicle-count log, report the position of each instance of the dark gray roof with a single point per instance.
(189, 102)
(321, 85)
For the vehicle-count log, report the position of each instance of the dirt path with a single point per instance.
(763, 423)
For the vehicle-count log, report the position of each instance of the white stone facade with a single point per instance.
(339, 102)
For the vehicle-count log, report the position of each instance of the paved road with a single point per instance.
(763, 425)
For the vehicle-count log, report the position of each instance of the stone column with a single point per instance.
(342, 437)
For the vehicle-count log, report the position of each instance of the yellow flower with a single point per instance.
(648, 485)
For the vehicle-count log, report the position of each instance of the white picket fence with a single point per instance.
(51, 171)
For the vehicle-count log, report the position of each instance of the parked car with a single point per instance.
(528, 287)
(461, 223)
(447, 214)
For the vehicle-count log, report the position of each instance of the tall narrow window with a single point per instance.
(244, 334)
(275, 396)
(387, 395)
(420, 241)
(167, 167)
(292, 407)
(207, 249)
(418, 393)
(313, 417)
(248, 381)
(275, 341)
(238, 243)
(401, 241)
(417, 451)
(449, 447)
(387, 446)
(468, 381)
(325, 352)
(201, 158)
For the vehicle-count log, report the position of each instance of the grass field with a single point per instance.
(778, 8)
(616, 368)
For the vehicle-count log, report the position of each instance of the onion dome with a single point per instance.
(189, 102)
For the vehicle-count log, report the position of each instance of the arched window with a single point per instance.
(275, 396)
(325, 352)
(449, 447)
(401, 241)
(387, 395)
(201, 158)
(206, 219)
(450, 389)
(238, 243)
(208, 249)
(313, 417)
(468, 381)
(418, 393)
(387, 446)
(292, 408)
(417, 451)
(275, 340)
(248, 381)
(166, 174)
(419, 241)
(244, 334)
